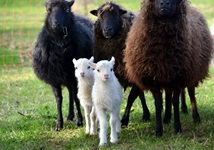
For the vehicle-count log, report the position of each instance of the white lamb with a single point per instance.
(107, 97)
(85, 77)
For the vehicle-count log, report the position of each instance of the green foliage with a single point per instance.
(28, 116)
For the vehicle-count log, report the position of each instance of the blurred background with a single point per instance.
(21, 21)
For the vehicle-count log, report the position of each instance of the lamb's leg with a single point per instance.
(158, 107)
(183, 102)
(79, 117)
(168, 106)
(113, 123)
(118, 123)
(195, 114)
(93, 118)
(58, 95)
(175, 100)
(87, 110)
(101, 114)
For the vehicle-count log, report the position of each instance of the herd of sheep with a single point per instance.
(166, 47)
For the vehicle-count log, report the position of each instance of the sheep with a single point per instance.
(107, 97)
(169, 47)
(85, 77)
(110, 31)
(63, 37)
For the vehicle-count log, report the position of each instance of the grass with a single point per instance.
(27, 105)
(28, 116)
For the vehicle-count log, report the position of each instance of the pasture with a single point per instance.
(27, 105)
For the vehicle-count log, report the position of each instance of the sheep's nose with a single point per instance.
(164, 3)
(56, 25)
(108, 29)
(106, 76)
(82, 74)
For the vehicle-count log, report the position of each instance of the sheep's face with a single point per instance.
(58, 14)
(109, 16)
(104, 69)
(82, 68)
(166, 8)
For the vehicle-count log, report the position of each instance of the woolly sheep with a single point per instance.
(63, 37)
(85, 77)
(169, 46)
(110, 31)
(107, 97)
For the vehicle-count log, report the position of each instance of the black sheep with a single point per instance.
(63, 37)
(110, 31)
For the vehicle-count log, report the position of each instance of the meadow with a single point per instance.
(27, 105)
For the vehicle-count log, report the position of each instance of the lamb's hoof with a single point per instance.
(93, 133)
(102, 144)
(114, 141)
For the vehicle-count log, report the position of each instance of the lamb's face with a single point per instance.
(109, 16)
(104, 69)
(82, 69)
(166, 8)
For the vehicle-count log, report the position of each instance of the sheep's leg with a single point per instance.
(58, 95)
(158, 107)
(87, 110)
(101, 114)
(146, 113)
(118, 123)
(183, 102)
(113, 124)
(93, 118)
(71, 105)
(195, 113)
(79, 117)
(131, 98)
(175, 100)
(168, 106)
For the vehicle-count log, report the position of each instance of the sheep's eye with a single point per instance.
(111, 69)
(75, 67)
(98, 70)
(88, 67)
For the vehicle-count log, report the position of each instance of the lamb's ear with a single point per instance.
(122, 11)
(70, 3)
(74, 61)
(112, 60)
(94, 12)
(93, 65)
(91, 59)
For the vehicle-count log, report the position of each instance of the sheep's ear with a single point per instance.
(94, 12)
(93, 65)
(112, 60)
(74, 61)
(70, 3)
(91, 59)
(122, 11)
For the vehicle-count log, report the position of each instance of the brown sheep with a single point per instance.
(169, 46)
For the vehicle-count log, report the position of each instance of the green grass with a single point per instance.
(28, 108)
(28, 115)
